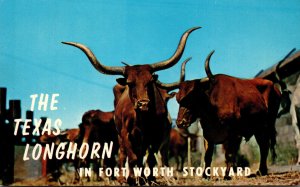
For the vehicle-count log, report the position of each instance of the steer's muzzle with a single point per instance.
(142, 104)
(183, 123)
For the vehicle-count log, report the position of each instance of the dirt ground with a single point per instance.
(278, 175)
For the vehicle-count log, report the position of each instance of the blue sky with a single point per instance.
(247, 35)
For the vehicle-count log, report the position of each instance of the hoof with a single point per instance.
(257, 174)
(141, 181)
(151, 180)
(131, 181)
(262, 172)
(121, 180)
(205, 177)
(227, 178)
(252, 175)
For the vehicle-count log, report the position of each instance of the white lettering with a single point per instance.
(54, 101)
(17, 121)
(25, 157)
(107, 151)
(37, 151)
(95, 149)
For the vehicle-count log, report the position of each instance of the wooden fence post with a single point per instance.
(2, 125)
(30, 137)
(189, 153)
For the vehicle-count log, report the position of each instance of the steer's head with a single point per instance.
(93, 125)
(87, 126)
(187, 98)
(93, 122)
(138, 78)
(192, 97)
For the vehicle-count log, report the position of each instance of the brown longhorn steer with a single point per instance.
(164, 147)
(99, 126)
(230, 108)
(54, 165)
(141, 114)
(179, 145)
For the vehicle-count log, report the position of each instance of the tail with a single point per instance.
(275, 98)
(273, 144)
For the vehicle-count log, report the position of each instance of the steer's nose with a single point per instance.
(182, 123)
(143, 104)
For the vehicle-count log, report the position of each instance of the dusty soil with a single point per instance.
(278, 175)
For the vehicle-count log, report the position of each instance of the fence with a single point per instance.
(9, 143)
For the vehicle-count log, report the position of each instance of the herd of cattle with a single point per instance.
(229, 109)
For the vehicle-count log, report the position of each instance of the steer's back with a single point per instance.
(235, 98)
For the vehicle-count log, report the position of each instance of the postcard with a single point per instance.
(172, 93)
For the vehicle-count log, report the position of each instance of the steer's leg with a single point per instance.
(132, 178)
(182, 156)
(176, 157)
(122, 160)
(151, 163)
(208, 157)
(231, 148)
(110, 163)
(164, 150)
(76, 167)
(263, 141)
(135, 152)
(132, 158)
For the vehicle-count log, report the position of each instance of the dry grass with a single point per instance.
(289, 176)
(284, 173)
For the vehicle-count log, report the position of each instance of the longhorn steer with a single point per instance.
(141, 114)
(179, 145)
(164, 147)
(54, 165)
(230, 108)
(99, 126)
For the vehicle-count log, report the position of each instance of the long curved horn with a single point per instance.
(182, 72)
(176, 56)
(279, 64)
(97, 65)
(207, 68)
(172, 86)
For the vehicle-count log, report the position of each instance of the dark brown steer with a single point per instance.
(99, 126)
(230, 108)
(141, 114)
(164, 147)
(179, 145)
(54, 165)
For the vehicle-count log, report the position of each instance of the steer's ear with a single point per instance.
(121, 81)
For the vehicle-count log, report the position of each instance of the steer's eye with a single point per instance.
(129, 83)
(184, 102)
